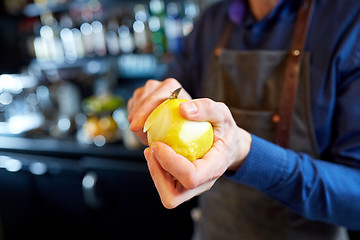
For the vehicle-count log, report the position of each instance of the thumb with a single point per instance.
(204, 109)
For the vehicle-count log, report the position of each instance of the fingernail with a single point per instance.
(131, 126)
(191, 108)
(134, 125)
(154, 148)
(147, 153)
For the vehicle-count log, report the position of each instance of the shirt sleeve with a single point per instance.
(316, 189)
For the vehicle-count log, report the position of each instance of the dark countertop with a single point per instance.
(67, 148)
(68, 155)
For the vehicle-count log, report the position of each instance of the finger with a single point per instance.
(156, 171)
(171, 191)
(190, 174)
(167, 187)
(141, 114)
(179, 194)
(151, 100)
(174, 163)
(214, 163)
(130, 105)
(204, 109)
(133, 101)
(142, 94)
(142, 137)
(137, 99)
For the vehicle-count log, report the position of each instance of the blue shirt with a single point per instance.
(325, 189)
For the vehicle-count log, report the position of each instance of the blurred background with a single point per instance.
(69, 166)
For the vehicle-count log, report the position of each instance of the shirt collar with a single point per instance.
(239, 12)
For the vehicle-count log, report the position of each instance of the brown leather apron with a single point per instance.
(250, 83)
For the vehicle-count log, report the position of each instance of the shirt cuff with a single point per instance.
(264, 167)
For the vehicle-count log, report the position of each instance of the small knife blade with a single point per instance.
(175, 94)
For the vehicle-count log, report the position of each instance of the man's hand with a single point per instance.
(176, 178)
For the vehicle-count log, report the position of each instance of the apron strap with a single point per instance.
(292, 73)
(224, 39)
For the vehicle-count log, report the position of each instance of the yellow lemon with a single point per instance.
(190, 139)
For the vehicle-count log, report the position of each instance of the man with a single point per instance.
(241, 56)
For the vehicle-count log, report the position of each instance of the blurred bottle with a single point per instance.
(156, 25)
(68, 99)
(67, 38)
(49, 47)
(192, 11)
(141, 30)
(40, 48)
(96, 9)
(98, 38)
(87, 38)
(84, 31)
(79, 46)
(112, 39)
(126, 39)
(173, 27)
(68, 41)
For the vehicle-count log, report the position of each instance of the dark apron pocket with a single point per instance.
(259, 123)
